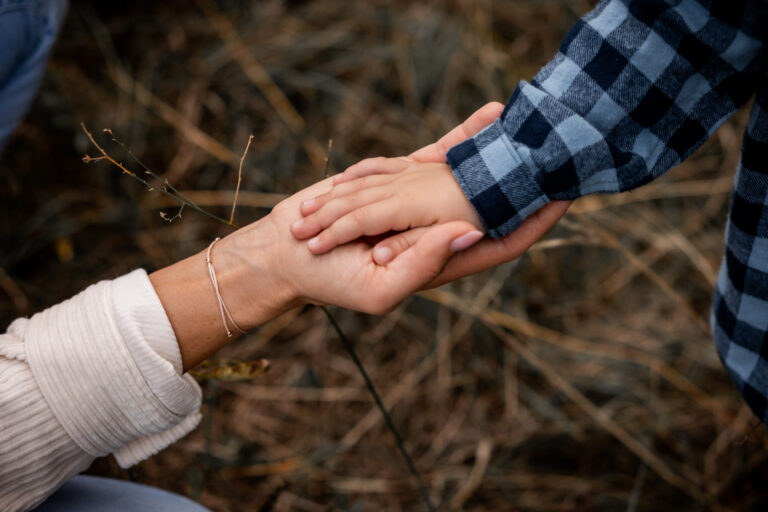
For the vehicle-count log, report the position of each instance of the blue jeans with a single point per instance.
(28, 29)
(96, 494)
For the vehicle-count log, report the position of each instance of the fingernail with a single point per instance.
(309, 203)
(382, 255)
(314, 243)
(466, 241)
(297, 224)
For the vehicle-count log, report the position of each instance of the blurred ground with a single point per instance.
(603, 391)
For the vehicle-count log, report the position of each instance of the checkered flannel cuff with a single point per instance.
(496, 179)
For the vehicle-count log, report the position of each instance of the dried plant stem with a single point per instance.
(220, 198)
(163, 181)
(239, 179)
(654, 191)
(328, 159)
(387, 418)
(482, 457)
(274, 393)
(174, 194)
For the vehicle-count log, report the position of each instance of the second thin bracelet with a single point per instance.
(225, 314)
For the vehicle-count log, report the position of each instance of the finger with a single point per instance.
(475, 123)
(333, 210)
(490, 253)
(389, 248)
(312, 205)
(292, 202)
(378, 165)
(369, 220)
(425, 260)
(482, 117)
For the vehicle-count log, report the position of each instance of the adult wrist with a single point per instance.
(245, 265)
(247, 271)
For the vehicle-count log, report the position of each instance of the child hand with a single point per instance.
(380, 195)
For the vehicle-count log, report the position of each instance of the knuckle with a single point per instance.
(323, 199)
(400, 244)
(280, 209)
(349, 187)
(339, 232)
(359, 217)
(368, 181)
(359, 184)
(327, 238)
(324, 217)
(511, 249)
(312, 223)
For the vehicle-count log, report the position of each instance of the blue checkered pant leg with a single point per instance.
(635, 88)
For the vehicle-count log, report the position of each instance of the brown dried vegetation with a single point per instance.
(581, 377)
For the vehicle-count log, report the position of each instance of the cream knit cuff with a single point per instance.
(108, 365)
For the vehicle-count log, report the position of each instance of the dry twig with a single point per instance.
(173, 194)
(239, 179)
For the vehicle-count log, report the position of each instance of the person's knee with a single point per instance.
(28, 31)
(96, 494)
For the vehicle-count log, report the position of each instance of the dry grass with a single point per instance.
(581, 377)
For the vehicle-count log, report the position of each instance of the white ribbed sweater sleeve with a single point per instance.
(96, 374)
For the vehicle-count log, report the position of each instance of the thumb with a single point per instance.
(426, 258)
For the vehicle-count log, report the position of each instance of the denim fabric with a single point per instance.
(636, 87)
(95, 494)
(29, 29)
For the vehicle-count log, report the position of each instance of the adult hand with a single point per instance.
(263, 270)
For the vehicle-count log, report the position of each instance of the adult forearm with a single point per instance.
(249, 284)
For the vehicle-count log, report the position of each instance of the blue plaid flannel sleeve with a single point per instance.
(636, 87)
